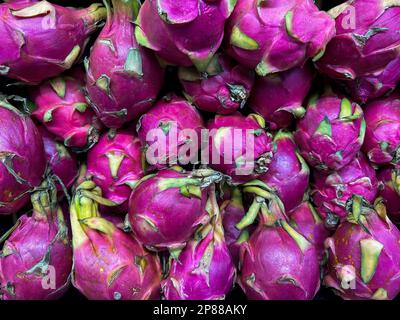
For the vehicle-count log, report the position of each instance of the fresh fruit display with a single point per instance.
(389, 190)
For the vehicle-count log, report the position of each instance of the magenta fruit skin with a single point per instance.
(33, 31)
(123, 78)
(389, 190)
(170, 117)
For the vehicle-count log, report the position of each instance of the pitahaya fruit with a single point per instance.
(389, 190)
(364, 54)
(115, 165)
(239, 146)
(331, 191)
(22, 158)
(108, 263)
(123, 79)
(382, 137)
(204, 270)
(331, 133)
(183, 32)
(275, 35)
(279, 97)
(36, 259)
(41, 39)
(170, 132)
(223, 88)
(62, 108)
(364, 254)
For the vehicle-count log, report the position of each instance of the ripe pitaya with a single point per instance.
(62, 108)
(183, 32)
(108, 263)
(389, 179)
(364, 54)
(41, 40)
(22, 158)
(279, 97)
(36, 260)
(331, 133)
(382, 137)
(223, 88)
(275, 35)
(364, 254)
(331, 191)
(170, 132)
(123, 79)
(239, 146)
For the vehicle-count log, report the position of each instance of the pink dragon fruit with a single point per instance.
(239, 146)
(108, 263)
(183, 32)
(382, 137)
(61, 107)
(273, 36)
(279, 97)
(115, 165)
(389, 179)
(223, 88)
(32, 32)
(22, 159)
(36, 260)
(364, 254)
(204, 269)
(367, 35)
(331, 191)
(166, 208)
(331, 133)
(170, 132)
(123, 79)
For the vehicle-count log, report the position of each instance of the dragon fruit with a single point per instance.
(183, 32)
(367, 36)
(166, 208)
(108, 263)
(170, 132)
(331, 133)
(32, 32)
(364, 254)
(62, 108)
(22, 159)
(123, 79)
(331, 191)
(204, 269)
(239, 146)
(382, 137)
(279, 97)
(36, 260)
(223, 88)
(389, 190)
(274, 36)
(115, 165)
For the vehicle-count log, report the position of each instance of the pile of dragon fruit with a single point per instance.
(274, 171)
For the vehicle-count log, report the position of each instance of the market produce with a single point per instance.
(389, 190)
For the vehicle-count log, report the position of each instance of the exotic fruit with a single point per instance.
(166, 208)
(183, 32)
(22, 159)
(364, 254)
(239, 146)
(41, 40)
(223, 88)
(204, 269)
(367, 36)
(36, 260)
(275, 35)
(382, 137)
(330, 192)
(115, 165)
(170, 133)
(62, 108)
(279, 97)
(389, 179)
(123, 79)
(331, 133)
(109, 264)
